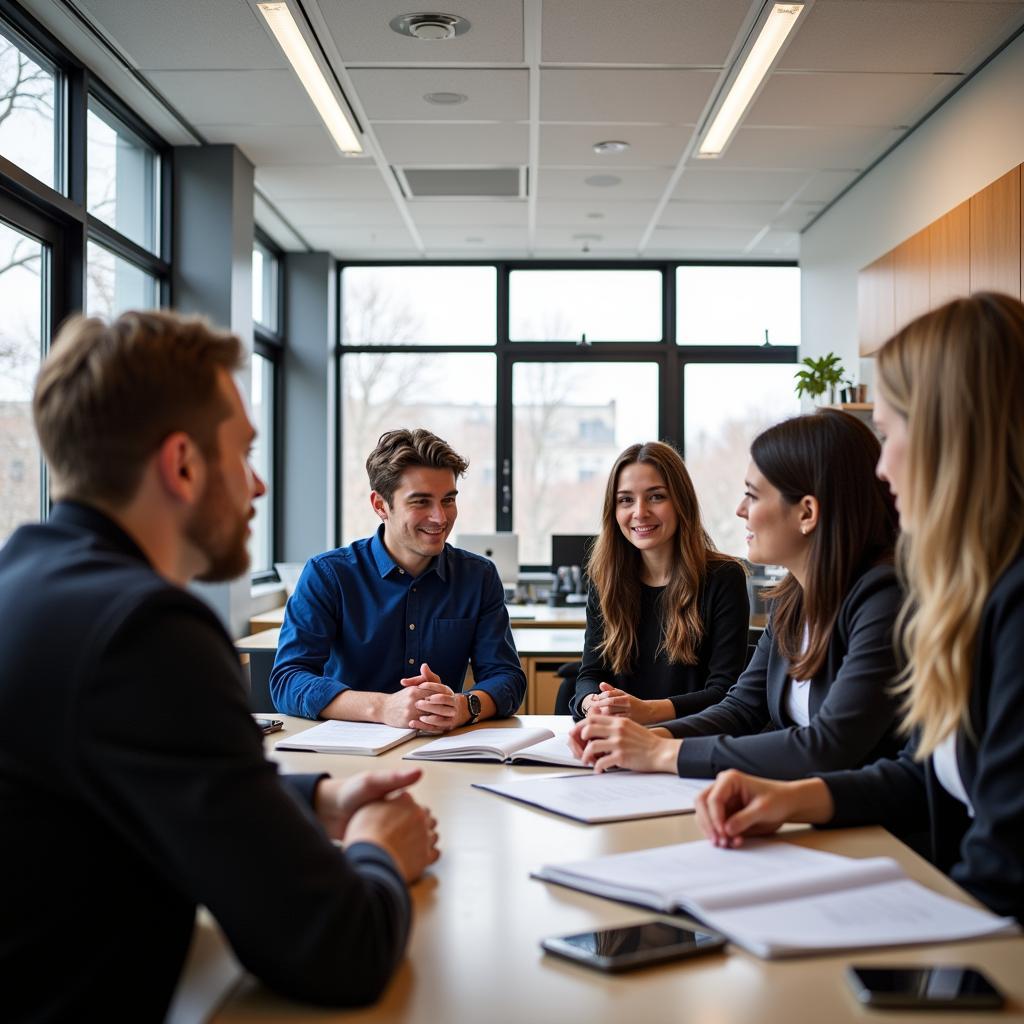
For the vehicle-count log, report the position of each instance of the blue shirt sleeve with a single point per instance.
(311, 623)
(496, 667)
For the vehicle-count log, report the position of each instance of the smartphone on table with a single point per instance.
(635, 945)
(267, 725)
(924, 988)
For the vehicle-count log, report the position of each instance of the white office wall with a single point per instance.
(974, 138)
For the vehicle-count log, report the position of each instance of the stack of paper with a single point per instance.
(347, 738)
(508, 746)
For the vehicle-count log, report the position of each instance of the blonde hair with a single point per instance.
(615, 566)
(957, 376)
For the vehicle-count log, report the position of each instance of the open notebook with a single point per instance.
(609, 796)
(778, 899)
(346, 738)
(511, 746)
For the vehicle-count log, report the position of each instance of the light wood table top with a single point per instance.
(474, 955)
(523, 616)
(562, 643)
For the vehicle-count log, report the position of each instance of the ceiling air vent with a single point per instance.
(482, 183)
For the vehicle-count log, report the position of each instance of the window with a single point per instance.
(451, 394)
(123, 173)
(22, 292)
(585, 305)
(115, 285)
(571, 421)
(717, 435)
(418, 305)
(266, 269)
(261, 545)
(738, 305)
(28, 111)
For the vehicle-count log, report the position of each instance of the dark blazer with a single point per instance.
(724, 610)
(984, 854)
(133, 787)
(853, 715)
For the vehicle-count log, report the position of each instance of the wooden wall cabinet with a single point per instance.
(949, 262)
(996, 236)
(875, 309)
(910, 273)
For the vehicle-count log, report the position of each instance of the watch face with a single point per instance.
(474, 704)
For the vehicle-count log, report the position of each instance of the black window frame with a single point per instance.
(670, 357)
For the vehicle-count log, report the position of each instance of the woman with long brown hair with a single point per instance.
(949, 405)
(816, 693)
(667, 613)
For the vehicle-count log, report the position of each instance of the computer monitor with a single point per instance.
(571, 549)
(501, 548)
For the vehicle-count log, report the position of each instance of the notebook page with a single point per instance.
(328, 736)
(553, 751)
(504, 741)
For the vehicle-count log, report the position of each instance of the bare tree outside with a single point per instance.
(27, 94)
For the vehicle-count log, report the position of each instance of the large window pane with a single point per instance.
(571, 420)
(261, 547)
(418, 305)
(726, 406)
(737, 305)
(595, 305)
(28, 94)
(122, 178)
(21, 298)
(114, 285)
(265, 271)
(450, 394)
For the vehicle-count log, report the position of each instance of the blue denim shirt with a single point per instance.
(357, 620)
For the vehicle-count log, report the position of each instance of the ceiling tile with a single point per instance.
(571, 145)
(848, 148)
(475, 238)
(608, 237)
(804, 99)
(277, 144)
(826, 185)
(798, 216)
(359, 240)
(624, 95)
(227, 97)
(581, 215)
(698, 33)
(708, 182)
(899, 35)
(362, 34)
(321, 182)
(555, 184)
(723, 215)
(454, 145)
(396, 94)
(188, 34)
(777, 245)
(329, 213)
(724, 241)
(468, 214)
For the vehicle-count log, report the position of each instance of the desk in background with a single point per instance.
(541, 653)
(474, 954)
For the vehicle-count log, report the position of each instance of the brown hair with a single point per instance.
(397, 450)
(957, 376)
(109, 394)
(832, 456)
(615, 565)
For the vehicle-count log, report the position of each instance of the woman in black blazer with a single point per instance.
(949, 390)
(819, 682)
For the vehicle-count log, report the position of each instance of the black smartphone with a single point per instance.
(266, 725)
(924, 988)
(635, 945)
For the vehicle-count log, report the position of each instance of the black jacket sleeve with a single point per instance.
(195, 795)
(593, 669)
(854, 717)
(726, 628)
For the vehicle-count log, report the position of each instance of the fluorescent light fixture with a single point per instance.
(779, 24)
(301, 58)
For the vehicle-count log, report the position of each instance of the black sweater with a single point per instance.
(724, 611)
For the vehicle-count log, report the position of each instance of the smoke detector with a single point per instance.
(611, 146)
(429, 27)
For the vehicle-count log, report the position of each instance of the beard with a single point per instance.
(220, 532)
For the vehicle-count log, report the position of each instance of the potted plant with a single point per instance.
(819, 375)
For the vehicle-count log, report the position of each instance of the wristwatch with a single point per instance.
(475, 707)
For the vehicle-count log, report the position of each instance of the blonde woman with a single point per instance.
(950, 389)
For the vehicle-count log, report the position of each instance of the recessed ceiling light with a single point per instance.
(611, 146)
(446, 99)
(602, 180)
(429, 27)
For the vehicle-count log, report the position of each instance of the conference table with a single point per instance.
(474, 955)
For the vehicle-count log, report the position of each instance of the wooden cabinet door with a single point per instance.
(996, 236)
(949, 256)
(910, 272)
(875, 314)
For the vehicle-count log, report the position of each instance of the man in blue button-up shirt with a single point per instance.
(383, 630)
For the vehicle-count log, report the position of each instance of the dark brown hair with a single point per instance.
(832, 456)
(615, 565)
(397, 450)
(109, 394)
